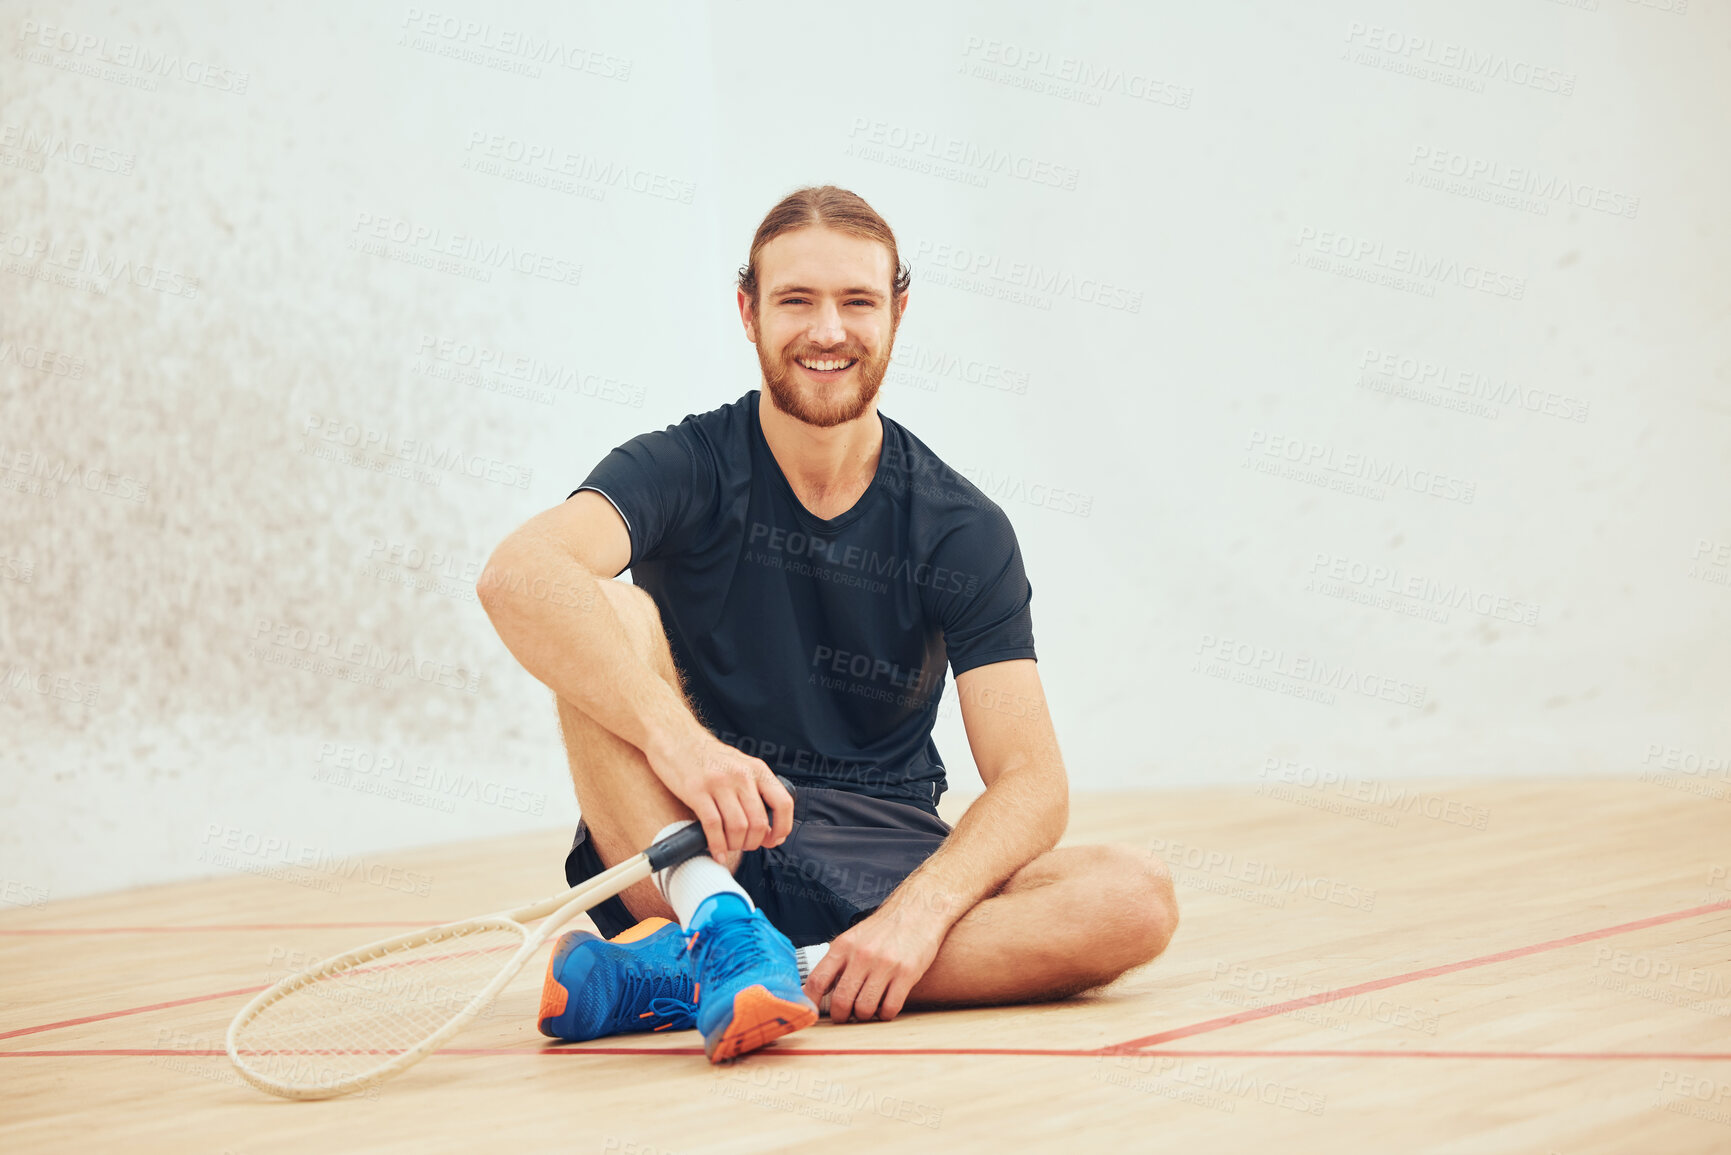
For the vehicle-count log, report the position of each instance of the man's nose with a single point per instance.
(826, 327)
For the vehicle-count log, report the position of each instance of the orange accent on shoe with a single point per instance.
(758, 1018)
(696, 989)
(553, 997)
(663, 1026)
(642, 930)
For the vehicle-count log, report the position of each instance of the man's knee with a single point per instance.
(1153, 897)
(1136, 902)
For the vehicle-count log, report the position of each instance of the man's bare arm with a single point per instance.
(1025, 807)
(1022, 814)
(540, 590)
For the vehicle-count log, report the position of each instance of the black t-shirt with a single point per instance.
(819, 645)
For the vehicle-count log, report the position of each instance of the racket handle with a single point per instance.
(686, 842)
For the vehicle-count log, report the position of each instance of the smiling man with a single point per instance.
(804, 569)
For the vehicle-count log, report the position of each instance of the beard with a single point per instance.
(817, 404)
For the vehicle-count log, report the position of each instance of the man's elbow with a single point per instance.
(1051, 795)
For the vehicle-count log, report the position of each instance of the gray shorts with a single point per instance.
(844, 856)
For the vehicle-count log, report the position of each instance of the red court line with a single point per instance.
(1593, 1056)
(797, 1052)
(205, 927)
(784, 1052)
(176, 1003)
(1103, 1052)
(1273, 1009)
(1145, 1041)
(122, 1052)
(130, 1011)
(101, 1052)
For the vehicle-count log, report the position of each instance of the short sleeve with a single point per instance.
(662, 483)
(984, 599)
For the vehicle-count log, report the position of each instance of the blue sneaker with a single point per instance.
(749, 991)
(640, 980)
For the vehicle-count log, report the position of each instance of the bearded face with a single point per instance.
(824, 323)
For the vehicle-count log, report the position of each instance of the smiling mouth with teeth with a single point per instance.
(827, 364)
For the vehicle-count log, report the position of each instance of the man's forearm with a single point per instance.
(575, 642)
(1021, 815)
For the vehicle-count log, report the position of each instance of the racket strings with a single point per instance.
(360, 1016)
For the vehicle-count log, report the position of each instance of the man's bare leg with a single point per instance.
(622, 801)
(1071, 920)
(625, 805)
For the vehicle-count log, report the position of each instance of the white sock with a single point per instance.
(686, 885)
(808, 957)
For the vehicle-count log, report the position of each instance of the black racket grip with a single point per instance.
(682, 844)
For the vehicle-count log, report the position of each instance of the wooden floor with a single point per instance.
(1507, 967)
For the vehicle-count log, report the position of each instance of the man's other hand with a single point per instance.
(870, 970)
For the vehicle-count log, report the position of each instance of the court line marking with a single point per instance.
(1273, 1009)
(128, 1011)
(1099, 1053)
(1130, 1046)
(1655, 1056)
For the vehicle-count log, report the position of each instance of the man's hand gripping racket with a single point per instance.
(355, 1020)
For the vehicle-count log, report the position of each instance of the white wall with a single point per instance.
(182, 297)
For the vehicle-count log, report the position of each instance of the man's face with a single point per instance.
(824, 325)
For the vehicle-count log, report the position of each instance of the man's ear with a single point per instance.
(900, 310)
(745, 316)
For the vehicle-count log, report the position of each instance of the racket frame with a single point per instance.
(685, 843)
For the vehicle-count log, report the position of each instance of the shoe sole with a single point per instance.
(758, 1018)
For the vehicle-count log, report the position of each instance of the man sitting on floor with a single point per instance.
(804, 569)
